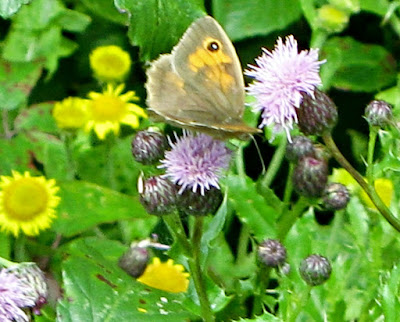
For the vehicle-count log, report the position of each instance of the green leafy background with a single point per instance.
(44, 52)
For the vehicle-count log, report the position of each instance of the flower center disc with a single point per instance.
(108, 108)
(24, 199)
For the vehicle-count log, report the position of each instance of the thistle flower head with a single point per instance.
(196, 161)
(281, 77)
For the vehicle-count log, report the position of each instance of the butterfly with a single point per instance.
(199, 85)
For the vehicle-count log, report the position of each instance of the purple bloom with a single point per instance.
(196, 161)
(282, 75)
(13, 297)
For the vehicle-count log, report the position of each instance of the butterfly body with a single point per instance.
(199, 85)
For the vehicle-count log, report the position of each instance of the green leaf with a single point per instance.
(37, 118)
(9, 7)
(73, 21)
(106, 10)
(379, 7)
(156, 26)
(390, 303)
(96, 289)
(16, 82)
(36, 33)
(85, 205)
(16, 154)
(355, 66)
(251, 207)
(256, 17)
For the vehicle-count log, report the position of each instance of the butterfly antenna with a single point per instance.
(259, 153)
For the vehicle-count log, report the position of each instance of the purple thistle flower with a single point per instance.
(282, 75)
(196, 161)
(13, 297)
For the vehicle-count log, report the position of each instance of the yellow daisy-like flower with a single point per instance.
(27, 203)
(384, 189)
(109, 109)
(71, 113)
(165, 276)
(110, 63)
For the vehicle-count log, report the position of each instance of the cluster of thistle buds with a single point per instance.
(314, 269)
(157, 193)
(316, 116)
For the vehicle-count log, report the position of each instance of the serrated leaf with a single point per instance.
(256, 17)
(355, 66)
(73, 21)
(157, 26)
(10, 7)
(96, 289)
(85, 205)
(251, 207)
(16, 82)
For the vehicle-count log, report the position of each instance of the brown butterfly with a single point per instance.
(199, 86)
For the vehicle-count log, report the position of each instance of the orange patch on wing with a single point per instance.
(213, 63)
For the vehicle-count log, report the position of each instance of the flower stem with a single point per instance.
(195, 268)
(192, 252)
(262, 283)
(368, 188)
(275, 164)
(71, 167)
(370, 158)
(288, 218)
(301, 302)
(110, 142)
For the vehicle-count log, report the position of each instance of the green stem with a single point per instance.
(243, 243)
(175, 227)
(261, 285)
(289, 185)
(240, 163)
(370, 158)
(368, 188)
(301, 302)
(318, 38)
(110, 140)
(289, 218)
(275, 164)
(71, 167)
(195, 268)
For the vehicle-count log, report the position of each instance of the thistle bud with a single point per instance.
(378, 113)
(134, 260)
(310, 176)
(300, 146)
(315, 269)
(316, 114)
(272, 253)
(148, 146)
(336, 196)
(196, 204)
(35, 283)
(157, 195)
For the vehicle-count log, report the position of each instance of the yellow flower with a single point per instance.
(71, 113)
(165, 276)
(27, 203)
(384, 189)
(108, 109)
(110, 63)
